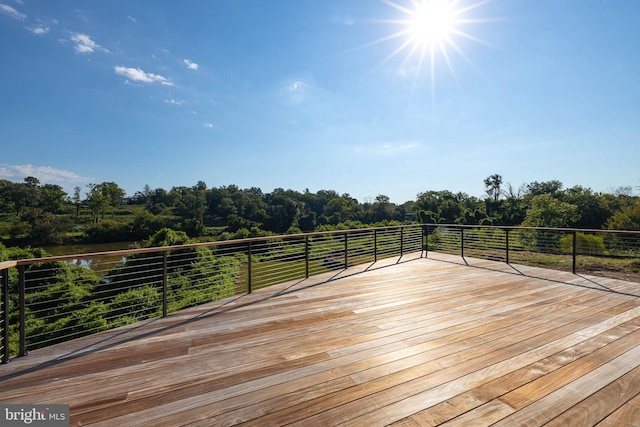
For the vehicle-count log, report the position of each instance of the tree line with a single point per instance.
(32, 213)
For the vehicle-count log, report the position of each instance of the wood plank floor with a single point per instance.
(421, 342)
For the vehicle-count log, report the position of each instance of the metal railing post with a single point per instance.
(22, 325)
(506, 245)
(249, 278)
(346, 249)
(375, 245)
(306, 257)
(426, 242)
(401, 241)
(165, 284)
(574, 251)
(4, 307)
(462, 242)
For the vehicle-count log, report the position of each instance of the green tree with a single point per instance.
(593, 211)
(553, 187)
(492, 186)
(45, 227)
(627, 219)
(32, 182)
(96, 201)
(191, 201)
(52, 198)
(282, 211)
(145, 224)
(445, 207)
(102, 197)
(452, 211)
(547, 211)
(19, 196)
(77, 201)
(342, 209)
(382, 208)
(113, 193)
(512, 208)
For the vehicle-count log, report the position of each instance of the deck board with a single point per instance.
(421, 342)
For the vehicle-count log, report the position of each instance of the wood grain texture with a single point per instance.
(411, 342)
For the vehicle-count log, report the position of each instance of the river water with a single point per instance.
(98, 264)
(85, 248)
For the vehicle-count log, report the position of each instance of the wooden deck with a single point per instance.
(418, 343)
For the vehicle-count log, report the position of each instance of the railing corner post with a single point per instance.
(4, 308)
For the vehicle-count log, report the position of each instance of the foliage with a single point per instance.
(168, 237)
(492, 187)
(586, 244)
(547, 211)
(32, 213)
(626, 219)
(65, 301)
(208, 278)
(137, 304)
(145, 224)
(102, 197)
(107, 231)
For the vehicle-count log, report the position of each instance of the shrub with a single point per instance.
(140, 303)
(587, 244)
(109, 231)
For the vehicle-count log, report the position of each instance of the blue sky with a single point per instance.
(331, 94)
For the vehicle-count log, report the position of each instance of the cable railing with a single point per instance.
(608, 253)
(45, 301)
(50, 300)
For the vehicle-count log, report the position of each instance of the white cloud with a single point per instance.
(296, 90)
(84, 44)
(190, 64)
(388, 148)
(208, 125)
(8, 10)
(136, 74)
(131, 18)
(396, 147)
(173, 102)
(38, 29)
(46, 174)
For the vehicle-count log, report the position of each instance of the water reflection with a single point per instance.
(100, 265)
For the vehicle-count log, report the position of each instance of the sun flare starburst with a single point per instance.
(429, 30)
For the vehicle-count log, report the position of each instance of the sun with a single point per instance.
(430, 31)
(431, 23)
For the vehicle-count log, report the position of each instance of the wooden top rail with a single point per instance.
(7, 264)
